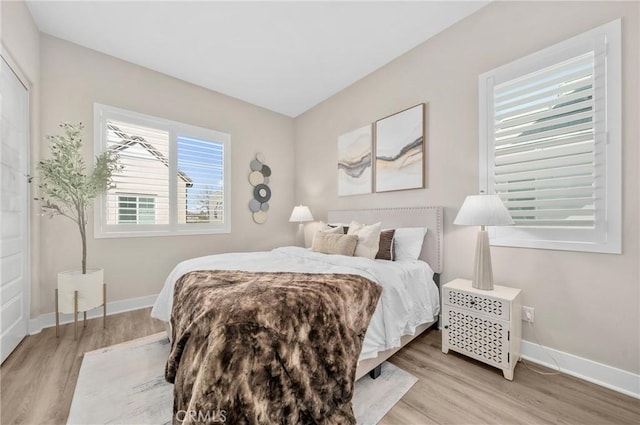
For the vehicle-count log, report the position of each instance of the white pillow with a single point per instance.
(408, 242)
(368, 239)
(325, 228)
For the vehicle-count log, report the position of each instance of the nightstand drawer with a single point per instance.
(482, 304)
(484, 339)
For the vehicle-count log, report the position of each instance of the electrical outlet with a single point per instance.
(527, 313)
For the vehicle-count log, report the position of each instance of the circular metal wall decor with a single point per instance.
(254, 206)
(266, 171)
(259, 179)
(260, 217)
(256, 178)
(262, 193)
(256, 165)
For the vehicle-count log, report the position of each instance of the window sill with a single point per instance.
(163, 233)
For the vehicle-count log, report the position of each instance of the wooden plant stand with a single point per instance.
(75, 312)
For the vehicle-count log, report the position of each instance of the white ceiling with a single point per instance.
(283, 56)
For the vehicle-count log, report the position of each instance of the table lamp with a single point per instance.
(300, 215)
(483, 210)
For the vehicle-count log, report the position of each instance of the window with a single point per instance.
(136, 209)
(550, 142)
(173, 177)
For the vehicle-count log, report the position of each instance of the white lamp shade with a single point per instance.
(300, 214)
(483, 210)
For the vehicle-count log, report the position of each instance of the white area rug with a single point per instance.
(124, 384)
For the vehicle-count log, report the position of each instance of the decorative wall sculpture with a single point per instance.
(259, 178)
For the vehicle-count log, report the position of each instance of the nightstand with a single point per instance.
(484, 325)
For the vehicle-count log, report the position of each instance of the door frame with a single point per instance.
(6, 55)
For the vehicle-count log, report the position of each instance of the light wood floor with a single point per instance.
(38, 380)
(39, 377)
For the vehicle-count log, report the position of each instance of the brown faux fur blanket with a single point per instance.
(267, 348)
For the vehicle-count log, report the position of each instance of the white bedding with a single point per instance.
(409, 296)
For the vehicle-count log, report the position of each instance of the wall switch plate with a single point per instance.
(527, 313)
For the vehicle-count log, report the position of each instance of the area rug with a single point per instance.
(124, 384)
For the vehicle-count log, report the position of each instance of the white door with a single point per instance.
(14, 210)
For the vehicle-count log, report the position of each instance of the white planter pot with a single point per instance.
(89, 287)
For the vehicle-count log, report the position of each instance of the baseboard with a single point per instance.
(47, 320)
(597, 373)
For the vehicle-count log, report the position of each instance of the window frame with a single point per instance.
(606, 236)
(102, 114)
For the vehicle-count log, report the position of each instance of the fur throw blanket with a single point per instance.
(267, 348)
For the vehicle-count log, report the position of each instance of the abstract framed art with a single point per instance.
(400, 150)
(355, 162)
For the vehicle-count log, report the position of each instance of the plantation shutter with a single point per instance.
(550, 144)
(140, 194)
(204, 199)
(544, 145)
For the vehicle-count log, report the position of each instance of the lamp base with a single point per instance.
(300, 236)
(482, 271)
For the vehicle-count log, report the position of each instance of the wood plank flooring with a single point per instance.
(39, 377)
(38, 380)
(453, 389)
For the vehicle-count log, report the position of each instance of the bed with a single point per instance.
(405, 305)
(430, 217)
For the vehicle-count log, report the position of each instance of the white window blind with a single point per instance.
(174, 177)
(204, 200)
(550, 144)
(544, 156)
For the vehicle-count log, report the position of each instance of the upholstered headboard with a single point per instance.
(430, 217)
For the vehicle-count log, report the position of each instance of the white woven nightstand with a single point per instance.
(484, 325)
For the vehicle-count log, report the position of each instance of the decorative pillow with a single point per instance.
(344, 226)
(329, 243)
(368, 239)
(385, 249)
(329, 228)
(408, 242)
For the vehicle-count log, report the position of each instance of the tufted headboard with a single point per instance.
(430, 217)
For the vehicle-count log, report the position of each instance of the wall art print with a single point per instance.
(400, 150)
(355, 162)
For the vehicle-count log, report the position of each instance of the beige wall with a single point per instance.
(585, 304)
(73, 78)
(21, 46)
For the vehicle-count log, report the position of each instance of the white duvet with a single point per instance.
(409, 296)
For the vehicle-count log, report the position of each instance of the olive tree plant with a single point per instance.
(67, 188)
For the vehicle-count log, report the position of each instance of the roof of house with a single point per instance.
(128, 141)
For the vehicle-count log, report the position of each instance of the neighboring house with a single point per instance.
(140, 194)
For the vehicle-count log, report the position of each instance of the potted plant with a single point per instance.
(68, 189)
